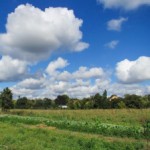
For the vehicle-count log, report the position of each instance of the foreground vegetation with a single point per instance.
(75, 129)
(18, 136)
(90, 123)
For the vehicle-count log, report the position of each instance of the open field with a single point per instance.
(75, 129)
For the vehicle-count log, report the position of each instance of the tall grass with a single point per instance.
(135, 117)
(115, 123)
(17, 137)
(90, 127)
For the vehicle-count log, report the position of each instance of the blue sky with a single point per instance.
(74, 47)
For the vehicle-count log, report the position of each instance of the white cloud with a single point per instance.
(122, 89)
(112, 44)
(56, 82)
(116, 24)
(79, 88)
(124, 4)
(81, 73)
(57, 64)
(33, 34)
(64, 76)
(85, 82)
(133, 71)
(12, 69)
(85, 72)
(31, 83)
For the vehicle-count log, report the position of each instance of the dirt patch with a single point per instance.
(41, 126)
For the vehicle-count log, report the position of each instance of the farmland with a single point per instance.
(125, 129)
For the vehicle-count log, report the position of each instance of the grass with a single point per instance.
(82, 126)
(74, 130)
(22, 137)
(121, 117)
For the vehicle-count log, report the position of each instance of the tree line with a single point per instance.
(97, 101)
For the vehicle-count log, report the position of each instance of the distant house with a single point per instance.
(63, 106)
(113, 97)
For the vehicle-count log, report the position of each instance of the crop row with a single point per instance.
(83, 126)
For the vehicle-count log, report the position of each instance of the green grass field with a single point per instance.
(75, 130)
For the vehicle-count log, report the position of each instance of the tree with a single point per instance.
(62, 100)
(0, 101)
(121, 105)
(77, 104)
(105, 103)
(104, 95)
(39, 104)
(47, 103)
(97, 101)
(22, 103)
(88, 104)
(6, 99)
(133, 101)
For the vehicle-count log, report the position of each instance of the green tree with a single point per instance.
(97, 101)
(22, 103)
(47, 103)
(121, 105)
(133, 101)
(104, 95)
(88, 105)
(39, 104)
(77, 104)
(6, 99)
(105, 102)
(0, 101)
(114, 103)
(62, 100)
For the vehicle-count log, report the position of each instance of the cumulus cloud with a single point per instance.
(79, 88)
(84, 81)
(112, 44)
(85, 72)
(82, 73)
(57, 81)
(133, 71)
(124, 4)
(63, 76)
(116, 24)
(32, 83)
(57, 64)
(33, 34)
(12, 69)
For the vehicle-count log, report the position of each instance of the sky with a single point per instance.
(79, 48)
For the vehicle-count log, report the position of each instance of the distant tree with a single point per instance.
(22, 103)
(77, 104)
(121, 105)
(0, 101)
(114, 103)
(31, 103)
(97, 101)
(105, 102)
(47, 103)
(62, 100)
(39, 104)
(71, 104)
(133, 101)
(104, 95)
(6, 99)
(83, 102)
(53, 104)
(148, 104)
(88, 105)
